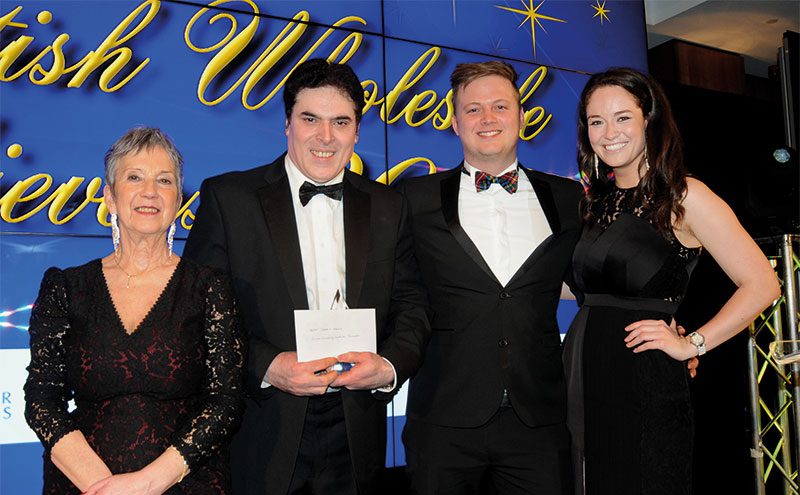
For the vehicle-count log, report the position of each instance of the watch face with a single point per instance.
(697, 339)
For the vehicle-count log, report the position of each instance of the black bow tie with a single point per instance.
(309, 190)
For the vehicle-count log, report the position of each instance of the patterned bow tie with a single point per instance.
(507, 181)
(309, 190)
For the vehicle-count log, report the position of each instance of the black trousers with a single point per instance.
(323, 463)
(504, 456)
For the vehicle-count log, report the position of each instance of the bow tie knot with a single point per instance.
(309, 190)
(507, 181)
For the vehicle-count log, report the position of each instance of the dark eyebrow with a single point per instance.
(615, 113)
(340, 117)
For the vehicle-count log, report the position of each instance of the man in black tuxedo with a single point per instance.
(493, 242)
(292, 235)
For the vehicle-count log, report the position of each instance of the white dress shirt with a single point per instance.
(506, 228)
(320, 230)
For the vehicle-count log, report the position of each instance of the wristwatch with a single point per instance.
(698, 341)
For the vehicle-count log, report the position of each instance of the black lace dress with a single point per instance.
(630, 414)
(174, 381)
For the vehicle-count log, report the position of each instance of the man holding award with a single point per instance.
(302, 239)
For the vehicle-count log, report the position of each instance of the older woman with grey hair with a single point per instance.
(146, 343)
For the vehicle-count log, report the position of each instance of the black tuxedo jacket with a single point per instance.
(246, 226)
(487, 337)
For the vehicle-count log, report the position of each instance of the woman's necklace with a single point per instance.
(128, 281)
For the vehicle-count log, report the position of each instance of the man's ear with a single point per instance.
(454, 123)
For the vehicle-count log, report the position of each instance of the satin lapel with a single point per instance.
(276, 201)
(540, 249)
(356, 238)
(545, 197)
(449, 187)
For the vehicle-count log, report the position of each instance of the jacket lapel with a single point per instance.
(276, 201)
(545, 197)
(356, 238)
(449, 189)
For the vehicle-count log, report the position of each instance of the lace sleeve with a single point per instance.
(46, 392)
(223, 407)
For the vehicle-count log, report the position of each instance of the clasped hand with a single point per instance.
(134, 483)
(369, 372)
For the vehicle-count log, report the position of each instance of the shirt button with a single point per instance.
(505, 295)
(502, 342)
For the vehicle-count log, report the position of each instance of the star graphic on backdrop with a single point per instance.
(496, 44)
(601, 10)
(531, 14)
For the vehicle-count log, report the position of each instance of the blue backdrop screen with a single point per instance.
(75, 75)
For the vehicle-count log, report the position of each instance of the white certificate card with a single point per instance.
(328, 333)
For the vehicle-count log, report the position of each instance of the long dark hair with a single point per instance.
(663, 185)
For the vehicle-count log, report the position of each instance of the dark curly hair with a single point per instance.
(663, 185)
(318, 72)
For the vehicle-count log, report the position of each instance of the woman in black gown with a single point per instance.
(645, 224)
(146, 343)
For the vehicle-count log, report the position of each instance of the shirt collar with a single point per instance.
(296, 177)
(472, 170)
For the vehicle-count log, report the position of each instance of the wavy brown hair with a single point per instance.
(465, 73)
(663, 185)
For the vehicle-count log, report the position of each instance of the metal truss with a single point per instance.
(775, 378)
